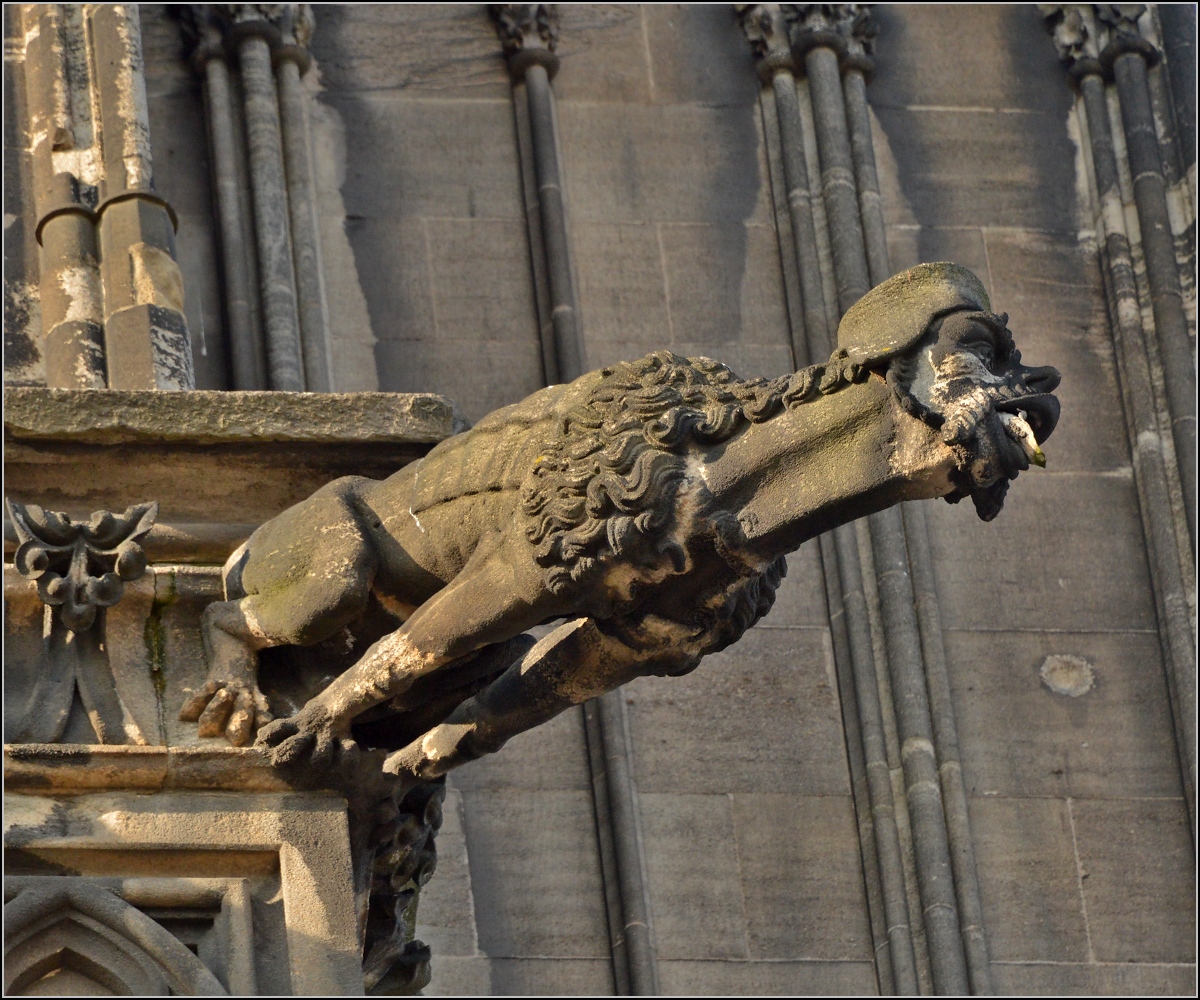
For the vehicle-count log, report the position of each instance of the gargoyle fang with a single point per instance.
(1017, 427)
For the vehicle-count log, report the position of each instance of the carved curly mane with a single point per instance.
(606, 486)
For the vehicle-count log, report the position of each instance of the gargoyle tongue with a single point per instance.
(1017, 427)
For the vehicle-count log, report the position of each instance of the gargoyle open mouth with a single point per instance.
(1027, 420)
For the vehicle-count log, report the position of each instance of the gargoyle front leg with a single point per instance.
(497, 595)
(574, 663)
(229, 702)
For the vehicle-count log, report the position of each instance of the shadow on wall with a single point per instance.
(978, 131)
(700, 56)
(432, 189)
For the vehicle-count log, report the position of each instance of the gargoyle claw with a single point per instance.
(229, 707)
(308, 737)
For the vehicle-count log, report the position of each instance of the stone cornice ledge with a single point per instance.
(213, 417)
(53, 768)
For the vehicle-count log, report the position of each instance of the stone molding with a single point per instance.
(213, 416)
(50, 922)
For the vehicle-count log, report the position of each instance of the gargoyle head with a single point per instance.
(952, 364)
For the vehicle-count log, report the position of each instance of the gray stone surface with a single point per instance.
(762, 716)
(700, 978)
(1135, 859)
(1094, 979)
(969, 55)
(545, 976)
(801, 875)
(636, 163)
(605, 56)
(535, 874)
(446, 52)
(1065, 554)
(699, 908)
(1020, 738)
(1029, 880)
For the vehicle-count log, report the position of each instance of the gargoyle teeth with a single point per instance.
(1017, 428)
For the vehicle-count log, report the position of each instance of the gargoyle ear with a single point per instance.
(989, 501)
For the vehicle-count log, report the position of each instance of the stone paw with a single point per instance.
(308, 739)
(234, 708)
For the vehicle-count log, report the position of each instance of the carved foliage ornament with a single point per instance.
(526, 25)
(80, 567)
(765, 27)
(775, 31)
(286, 27)
(1087, 35)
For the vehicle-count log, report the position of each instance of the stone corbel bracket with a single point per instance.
(80, 569)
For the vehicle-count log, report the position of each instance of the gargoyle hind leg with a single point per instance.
(297, 580)
(572, 664)
(497, 595)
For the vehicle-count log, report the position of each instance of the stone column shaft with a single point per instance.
(247, 358)
(70, 293)
(879, 778)
(854, 212)
(799, 199)
(306, 241)
(271, 215)
(145, 332)
(529, 34)
(902, 534)
(1158, 249)
(622, 799)
(1145, 442)
(870, 203)
(569, 360)
(112, 294)
(837, 176)
(841, 151)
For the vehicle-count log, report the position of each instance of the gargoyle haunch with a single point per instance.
(649, 504)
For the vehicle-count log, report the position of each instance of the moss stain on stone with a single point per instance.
(154, 636)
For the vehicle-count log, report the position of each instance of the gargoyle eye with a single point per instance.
(983, 348)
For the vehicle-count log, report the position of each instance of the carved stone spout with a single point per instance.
(650, 505)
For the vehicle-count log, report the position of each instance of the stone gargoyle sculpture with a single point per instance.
(648, 505)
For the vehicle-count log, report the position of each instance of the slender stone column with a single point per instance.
(1127, 55)
(145, 332)
(901, 537)
(879, 780)
(857, 69)
(65, 188)
(818, 43)
(766, 29)
(239, 271)
(821, 35)
(1073, 29)
(529, 34)
(291, 63)
(112, 294)
(253, 37)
